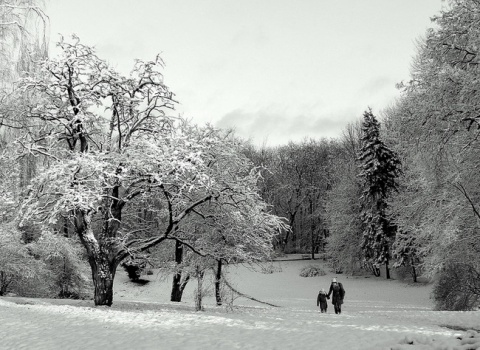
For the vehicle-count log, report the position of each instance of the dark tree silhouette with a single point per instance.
(380, 168)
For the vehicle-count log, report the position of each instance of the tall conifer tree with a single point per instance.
(379, 169)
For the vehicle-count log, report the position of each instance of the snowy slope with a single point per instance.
(377, 314)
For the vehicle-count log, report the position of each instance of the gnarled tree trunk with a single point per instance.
(177, 285)
(103, 273)
(101, 256)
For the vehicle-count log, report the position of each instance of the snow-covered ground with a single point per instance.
(377, 314)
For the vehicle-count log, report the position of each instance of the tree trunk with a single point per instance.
(102, 258)
(65, 228)
(103, 273)
(291, 221)
(218, 277)
(375, 270)
(178, 286)
(199, 292)
(414, 274)
(387, 270)
(312, 230)
(176, 294)
(177, 291)
(183, 285)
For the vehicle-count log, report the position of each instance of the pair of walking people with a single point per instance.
(338, 293)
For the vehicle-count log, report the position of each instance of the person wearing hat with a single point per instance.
(322, 300)
(336, 288)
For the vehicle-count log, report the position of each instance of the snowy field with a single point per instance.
(377, 314)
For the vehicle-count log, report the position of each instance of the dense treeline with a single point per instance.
(295, 180)
(134, 186)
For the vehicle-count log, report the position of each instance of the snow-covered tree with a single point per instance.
(23, 38)
(343, 205)
(379, 169)
(436, 125)
(124, 174)
(233, 228)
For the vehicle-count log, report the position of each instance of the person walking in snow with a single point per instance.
(322, 300)
(336, 288)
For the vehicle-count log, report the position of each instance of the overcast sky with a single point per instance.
(275, 70)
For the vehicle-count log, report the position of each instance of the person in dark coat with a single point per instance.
(322, 300)
(336, 288)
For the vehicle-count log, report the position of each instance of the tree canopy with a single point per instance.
(123, 173)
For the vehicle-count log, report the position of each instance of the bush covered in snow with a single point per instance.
(49, 265)
(457, 288)
(312, 271)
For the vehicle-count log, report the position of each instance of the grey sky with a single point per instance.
(276, 70)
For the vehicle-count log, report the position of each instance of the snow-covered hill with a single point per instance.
(377, 314)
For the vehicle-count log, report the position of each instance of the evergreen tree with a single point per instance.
(380, 168)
